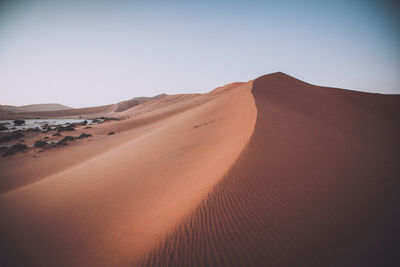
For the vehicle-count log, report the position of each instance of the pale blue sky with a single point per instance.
(84, 53)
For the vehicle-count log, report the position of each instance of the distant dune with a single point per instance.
(272, 172)
(60, 111)
(32, 108)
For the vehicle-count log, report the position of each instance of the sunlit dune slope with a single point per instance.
(108, 201)
(21, 170)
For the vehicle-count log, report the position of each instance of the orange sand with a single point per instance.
(275, 172)
(107, 201)
(318, 185)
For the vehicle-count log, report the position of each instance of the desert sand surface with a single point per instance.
(318, 185)
(272, 172)
(108, 201)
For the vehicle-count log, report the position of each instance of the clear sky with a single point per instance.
(84, 53)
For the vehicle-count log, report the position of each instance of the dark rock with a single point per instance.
(17, 134)
(84, 122)
(48, 128)
(57, 134)
(83, 135)
(65, 139)
(66, 128)
(3, 128)
(33, 129)
(40, 143)
(19, 147)
(110, 119)
(19, 122)
(111, 133)
(68, 138)
(14, 149)
(13, 135)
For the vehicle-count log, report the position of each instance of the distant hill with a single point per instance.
(33, 108)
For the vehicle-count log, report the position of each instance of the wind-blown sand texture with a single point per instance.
(275, 172)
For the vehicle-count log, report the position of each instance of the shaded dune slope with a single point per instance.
(318, 185)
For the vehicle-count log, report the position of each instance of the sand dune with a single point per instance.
(318, 185)
(275, 172)
(107, 202)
